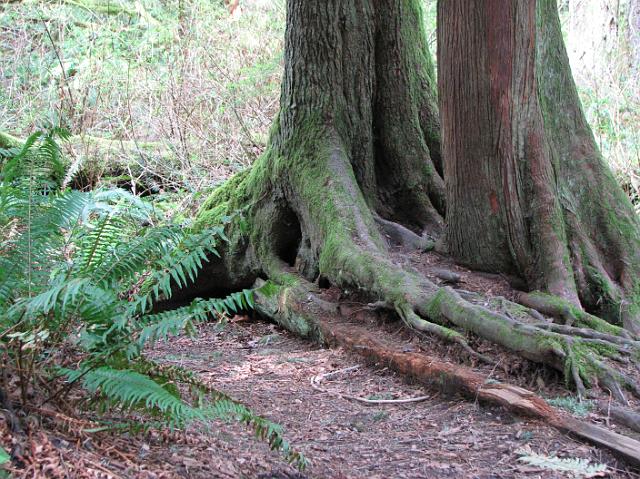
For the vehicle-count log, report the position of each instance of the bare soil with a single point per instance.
(271, 371)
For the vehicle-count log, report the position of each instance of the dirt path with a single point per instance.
(271, 371)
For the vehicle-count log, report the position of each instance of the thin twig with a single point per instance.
(315, 384)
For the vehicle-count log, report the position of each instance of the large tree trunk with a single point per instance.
(356, 141)
(528, 192)
(354, 159)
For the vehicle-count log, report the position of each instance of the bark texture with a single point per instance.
(357, 137)
(528, 192)
(354, 163)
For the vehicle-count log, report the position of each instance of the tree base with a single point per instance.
(302, 216)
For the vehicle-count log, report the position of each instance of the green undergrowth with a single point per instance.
(80, 273)
(177, 91)
(573, 405)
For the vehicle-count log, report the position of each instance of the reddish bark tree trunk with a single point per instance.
(528, 192)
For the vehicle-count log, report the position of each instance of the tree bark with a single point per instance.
(528, 192)
(353, 155)
(357, 137)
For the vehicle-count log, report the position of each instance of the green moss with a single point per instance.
(282, 303)
(9, 141)
(222, 201)
(269, 289)
(597, 324)
(434, 306)
(582, 354)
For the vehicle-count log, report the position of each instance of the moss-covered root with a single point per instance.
(447, 334)
(9, 141)
(294, 305)
(584, 355)
(570, 314)
(282, 304)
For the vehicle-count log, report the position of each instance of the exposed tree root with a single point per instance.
(578, 352)
(447, 276)
(340, 241)
(562, 309)
(401, 236)
(622, 416)
(290, 305)
(447, 334)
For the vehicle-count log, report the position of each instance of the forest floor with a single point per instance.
(271, 371)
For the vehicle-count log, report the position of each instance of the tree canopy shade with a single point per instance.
(354, 172)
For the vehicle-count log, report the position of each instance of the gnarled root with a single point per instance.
(290, 305)
(337, 240)
(583, 352)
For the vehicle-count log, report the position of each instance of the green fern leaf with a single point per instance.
(135, 390)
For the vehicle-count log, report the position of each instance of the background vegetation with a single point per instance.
(173, 96)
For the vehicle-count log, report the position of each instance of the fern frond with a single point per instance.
(136, 255)
(133, 390)
(165, 324)
(159, 326)
(39, 156)
(99, 243)
(67, 210)
(575, 466)
(181, 260)
(76, 264)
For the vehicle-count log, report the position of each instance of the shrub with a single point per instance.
(79, 275)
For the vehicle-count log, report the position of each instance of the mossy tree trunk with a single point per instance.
(355, 159)
(528, 192)
(356, 141)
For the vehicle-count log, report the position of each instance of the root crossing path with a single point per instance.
(273, 372)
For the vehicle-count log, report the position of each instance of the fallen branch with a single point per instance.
(447, 276)
(622, 416)
(9, 141)
(113, 145)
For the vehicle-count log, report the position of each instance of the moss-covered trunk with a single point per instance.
(356, 139)
(528, 192)
(353, 165)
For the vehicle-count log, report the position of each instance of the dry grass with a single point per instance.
(188, 92)
(200, 86)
